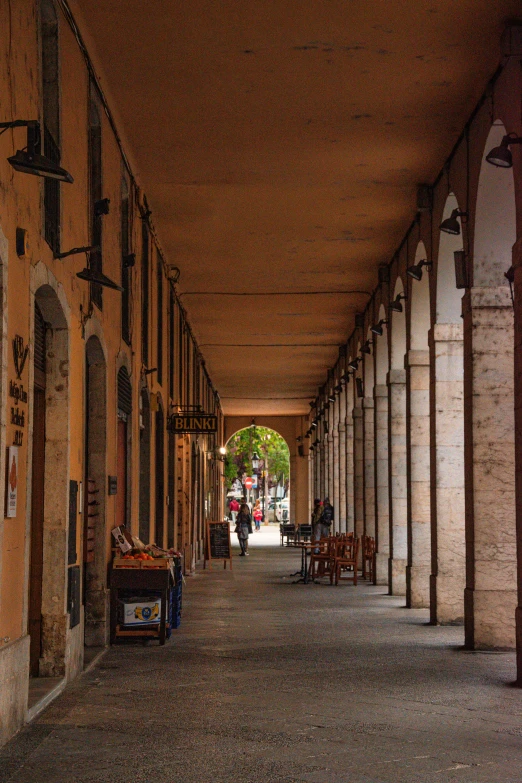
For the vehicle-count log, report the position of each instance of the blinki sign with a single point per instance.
(192, 423)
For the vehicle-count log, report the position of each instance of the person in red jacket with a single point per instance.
(234, 508)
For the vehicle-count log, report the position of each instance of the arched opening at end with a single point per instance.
(257, 472)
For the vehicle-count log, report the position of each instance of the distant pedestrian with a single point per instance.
(317, 528)
(258, 515)
(234, 508)
(243, 528)
(327, 517)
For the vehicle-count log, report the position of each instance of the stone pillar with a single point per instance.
(358, 471)
(335, 499)
(490, 598)
(342, 473)
(330, 447)
(350, 474)
(397, 482)
(382, 497)
(517, 264)
(322, 466)
(369, 466)
(447, 579)
(418, 465)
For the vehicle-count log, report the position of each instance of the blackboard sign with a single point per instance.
(218, 543)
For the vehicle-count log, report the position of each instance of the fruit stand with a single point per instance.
(145, 596)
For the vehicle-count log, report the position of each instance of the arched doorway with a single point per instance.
(447, 436)
(94, 511)
(397, 454)
(418, 442)
(49, 532)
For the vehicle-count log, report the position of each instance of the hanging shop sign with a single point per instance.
(192, 423)
(17, 392)
(12, 481)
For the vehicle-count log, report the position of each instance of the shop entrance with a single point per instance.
(37, 499)
(160, 477)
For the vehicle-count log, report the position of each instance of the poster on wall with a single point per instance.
(12, 480)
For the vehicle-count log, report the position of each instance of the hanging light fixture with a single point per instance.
(451, 225)
(99, 278)
(415, 271)
(30, 160)
(366, 347)
(377, 328)
(354, 363)
(501, 156)
(331, 397)
(396, 305)
(338, 389)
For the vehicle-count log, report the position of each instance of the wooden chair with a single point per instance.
(368, 557)
(319, 561)
(346, 563)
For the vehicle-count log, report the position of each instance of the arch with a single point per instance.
(495, 218)
(94, 538)
(398, 331)
(48, 511)
(448, 297)
(420, 318)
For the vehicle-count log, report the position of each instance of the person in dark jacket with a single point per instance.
(243, 528)
(327, 517)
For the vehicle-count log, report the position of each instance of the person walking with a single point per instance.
(327, 517)
(234, 508)
(243, 528)
(258, 515)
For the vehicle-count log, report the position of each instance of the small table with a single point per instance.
(306, 549)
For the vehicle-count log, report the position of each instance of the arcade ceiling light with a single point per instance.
(415, 271)
(451, 225)
(377, 328)
(396, 305)
(30, 160)
(501, 156)
(366, 347)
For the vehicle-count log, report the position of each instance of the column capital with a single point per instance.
(397, 377)
(357, 413)
(447, 333)
(368, 402)
(417, 358)
(381, 390)
(342, 426)
(491, 297)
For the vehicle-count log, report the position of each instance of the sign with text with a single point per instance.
(218, 543)
(12, 480)
(192, 423)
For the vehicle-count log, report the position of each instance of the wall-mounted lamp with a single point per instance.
(377, 328)
(360, 387)
(415, 271)
(461, 269)
(149, 372)
(222, 450)
(101, 207)
(30, 160)
(338, 389)
(354, 363)
(331, 398)
(451, 225)
(313, 424)
(98, 278)
(501, 156)
(129, 260)
(396, 305)
(346, 377)
(366, 347)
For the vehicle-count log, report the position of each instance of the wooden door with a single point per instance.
(37, 528)
(121, 496)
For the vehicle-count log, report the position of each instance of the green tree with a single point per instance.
(270, 447)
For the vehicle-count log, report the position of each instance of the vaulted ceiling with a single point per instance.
(280, 143)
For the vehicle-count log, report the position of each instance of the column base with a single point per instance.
(446, 600)
(397, 576)
(489, 619)
(518, 622)
(381, 568)
(418, 587)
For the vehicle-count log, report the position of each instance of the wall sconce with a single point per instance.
(30, 160)
(366, 347)
(346, 377)
(98, 278)
(377, 328)
(461, 271)
(451, 225)
(501, 156)
(360, 387)
(338, 389)
(354, 363)
(313, 424)
(101, 207)
(129, 260)
(396, 305)
(415, 271)
(331, 398)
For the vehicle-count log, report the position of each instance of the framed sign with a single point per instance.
(218, 543)
(192, 423)
(12, 480)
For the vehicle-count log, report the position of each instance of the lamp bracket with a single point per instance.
(75, 250)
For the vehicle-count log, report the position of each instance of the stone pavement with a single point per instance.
(268, 681)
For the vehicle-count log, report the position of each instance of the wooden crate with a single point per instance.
(157, 563)
(119, 562)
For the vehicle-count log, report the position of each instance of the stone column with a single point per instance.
(382, 497)
(397, 482)
(358, 471)
(335, 468)
(490, 597)
(342, 471)
(517, 263)
(350, 474)
(369, 466)
(447, 579)
(418, 465)
(322, 463)
(330, 447)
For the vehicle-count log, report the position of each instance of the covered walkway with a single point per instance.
(268, 681)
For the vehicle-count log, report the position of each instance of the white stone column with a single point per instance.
(335, 468)
(447, 580)
(489, 435)
(358, 470)
(382, 497)
(342, 465)
(419, 480)
(397, 482)
(330, 447)
(369, 466)
(350, 473)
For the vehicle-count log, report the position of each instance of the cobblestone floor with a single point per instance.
(268, 681)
